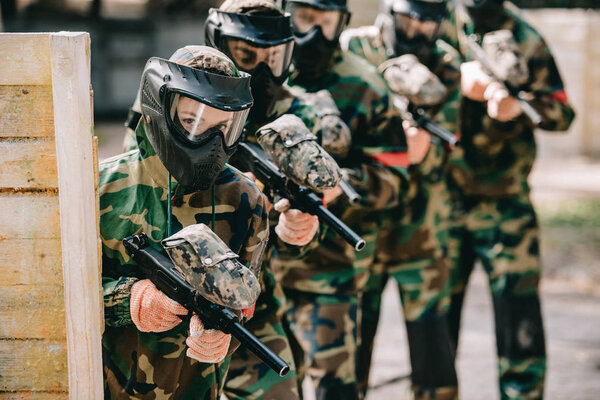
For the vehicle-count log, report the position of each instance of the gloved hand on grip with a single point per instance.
(473, 80)
(295, 227)
(206, 345)
(501, 105)
(151, 310)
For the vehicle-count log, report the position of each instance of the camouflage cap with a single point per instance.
(336, 138)
(406, 76)
(208, 264)
(503, 52)
(296, 153)
(243, 6)
(205, 58)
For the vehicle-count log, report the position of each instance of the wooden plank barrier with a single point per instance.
(50, 292)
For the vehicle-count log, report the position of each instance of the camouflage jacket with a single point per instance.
(133, 199)
(495, 157)
(367, 42)
(361, 95)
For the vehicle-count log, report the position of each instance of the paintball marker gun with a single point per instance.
(250, 157)
(163, 273)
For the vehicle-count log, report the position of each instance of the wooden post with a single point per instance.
(50, 292)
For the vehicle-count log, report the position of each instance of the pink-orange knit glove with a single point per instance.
(151, 310)
(206, 345)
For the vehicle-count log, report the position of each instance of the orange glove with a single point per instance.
(295, 227)
(206, 345)
(473, 80)
(418, 141)
(151, 310)
(501, 106)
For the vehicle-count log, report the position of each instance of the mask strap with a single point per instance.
(213, 208)
(169, 206)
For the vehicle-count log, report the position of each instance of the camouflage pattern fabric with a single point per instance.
(332, 274)
(503, 52)
(206, 262)
(411, 246)
(408, 77)
(337, 137)
(293, 148)
(494, 220)
(504, 235)
(249, 377)
(133, 199)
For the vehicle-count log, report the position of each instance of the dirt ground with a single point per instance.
(567, 196)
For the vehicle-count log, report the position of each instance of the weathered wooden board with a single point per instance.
(30, 261)
(32, 311)
(25, 59)
(33, 365)
(70, 60)
(33, 396)
(26, 111)
(28, 163)
(29, 216)
(50, 292)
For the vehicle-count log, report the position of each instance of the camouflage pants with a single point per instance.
(411, 249)
(323, 335)
(249, 377)
(177, 376)
(503, 234)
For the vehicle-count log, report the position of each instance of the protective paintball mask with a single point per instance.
(414, 28)
(317, 28)
(486, 14)
(257, 44)
(194, 118)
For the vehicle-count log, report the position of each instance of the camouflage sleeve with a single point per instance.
(129, 141)
(546, 89)
(449, 73)
(380, 189)
(116, 300)
(253, 249)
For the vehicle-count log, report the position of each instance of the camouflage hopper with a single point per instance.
(336, 138)
(295, 151)
(503, 52)
(408, 77)
(211, 267)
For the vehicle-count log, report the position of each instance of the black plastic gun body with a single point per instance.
(249, 157)
(410, 111)
(163, 273)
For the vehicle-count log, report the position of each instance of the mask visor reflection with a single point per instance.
(306, 18)
(247, 56)
(413, 27)
(197, 121)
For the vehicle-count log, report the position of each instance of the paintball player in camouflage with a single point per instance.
(258, 38)
(494, 219)
(411, 247)
(322, 284)
(193, 109)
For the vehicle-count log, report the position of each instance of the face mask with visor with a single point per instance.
(317, 27)
(258, 44)
(194, 118)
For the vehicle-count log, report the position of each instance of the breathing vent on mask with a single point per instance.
(150, 102)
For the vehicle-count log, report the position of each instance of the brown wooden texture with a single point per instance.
(33, 365)
(26, 111)
(25, 59)
(28, 163)
(33, 395)
(70, 61)
(33, 322)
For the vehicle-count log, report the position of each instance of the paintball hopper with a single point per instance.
(210, 266)
(407, 77)
(295, 151)
(503, 52)
(335, 134)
